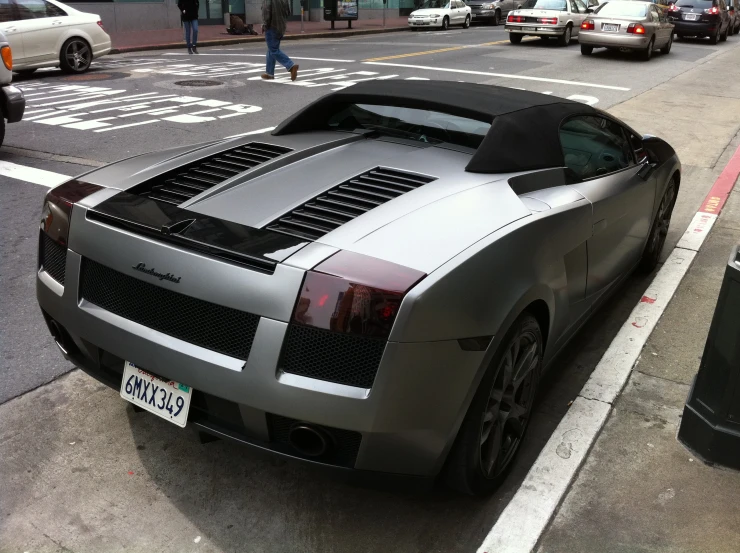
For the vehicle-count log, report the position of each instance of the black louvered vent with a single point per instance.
(346, 201)
(179, 186)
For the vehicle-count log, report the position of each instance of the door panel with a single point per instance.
(42, 25)
(9, 27)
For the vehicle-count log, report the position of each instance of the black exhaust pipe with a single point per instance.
(309, 440)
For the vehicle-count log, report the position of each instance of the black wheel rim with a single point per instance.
(78, 55)
(663, 221)
(509, 404)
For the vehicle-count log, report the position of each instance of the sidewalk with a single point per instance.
(640, 490)
(216, 35)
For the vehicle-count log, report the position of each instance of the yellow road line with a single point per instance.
(427, 52)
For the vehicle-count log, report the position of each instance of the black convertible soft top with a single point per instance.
(524, 125)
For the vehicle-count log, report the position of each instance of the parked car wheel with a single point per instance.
(467, 22)
(587, 50)
(667, 48)
(647, 53)
(2, 129)
(723, 36)
(76, 56)
(658, 233)
(498, 416)
(564, 39)
(714, 38)
(496, 18)
(445, 23)
(515, 38)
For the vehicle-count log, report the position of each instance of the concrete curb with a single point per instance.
(260, 38)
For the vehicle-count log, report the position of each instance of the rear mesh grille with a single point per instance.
(199, 322)
(343, 451)
(177, 187)
(340, 358)
(348, 200)
(53, 258)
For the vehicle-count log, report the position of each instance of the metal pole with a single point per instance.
(384, 15)
(302, 20)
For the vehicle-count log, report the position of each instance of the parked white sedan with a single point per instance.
(46, 33)
(560, 19)
(441, 14)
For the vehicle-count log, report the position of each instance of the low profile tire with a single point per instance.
(659, 230)
(587, 50)
(667, 48)
(498, 417)
(564, 39)
(445, 23)
(466, 25)
(76, 56)
(515, 38)
(647, 53)
(496, 18)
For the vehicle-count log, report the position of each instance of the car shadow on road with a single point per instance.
(236, 496)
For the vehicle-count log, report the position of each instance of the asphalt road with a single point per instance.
(137, 103)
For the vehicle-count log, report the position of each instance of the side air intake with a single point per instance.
(178, 186)
(348, 200)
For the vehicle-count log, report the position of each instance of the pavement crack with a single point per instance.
(52, 540)
(662, 378)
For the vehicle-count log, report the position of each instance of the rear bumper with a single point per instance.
(13, 103)
(695, 27)
(534, 30)
(425, 23)
(407, 420)
(606, 40)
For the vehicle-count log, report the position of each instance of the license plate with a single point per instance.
(691, 16)
(167, 399)
(610, 28)
(529, 28)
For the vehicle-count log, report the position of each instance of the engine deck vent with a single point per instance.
(178, 186)
(348, 200)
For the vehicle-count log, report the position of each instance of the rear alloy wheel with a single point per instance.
(659, 231)
(515, 38)
(667, 48)
(587, 50)
(445, 23)
(723, 37)
(76, 56)
(564, 39)
(496, 18)
(647, 53)
(467, 22)
(714, 39)
(499, 414)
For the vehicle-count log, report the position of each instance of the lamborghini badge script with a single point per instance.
(142, 268)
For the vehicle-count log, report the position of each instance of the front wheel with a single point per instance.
(445, 23)
(587, 50)
(667, 48)
(564, 39)
(515, 38)
(496, 18)
(499, 414)
(467, 22)
(76, 56)
(659, 230)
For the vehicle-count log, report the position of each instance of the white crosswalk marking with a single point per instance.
(31, 174)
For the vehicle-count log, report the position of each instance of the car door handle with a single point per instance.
(8, 29)
(57, 22)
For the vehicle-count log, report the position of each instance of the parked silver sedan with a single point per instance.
(559, 19)
(627, 26)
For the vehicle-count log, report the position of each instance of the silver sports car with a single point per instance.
(376, 285)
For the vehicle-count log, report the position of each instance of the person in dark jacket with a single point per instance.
(274, 17)
(189, 17)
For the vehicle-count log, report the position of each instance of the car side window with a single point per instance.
(654, 16)
(593, 147)
(7, 11)
(581, 6)
(573, 7)
(34, 9)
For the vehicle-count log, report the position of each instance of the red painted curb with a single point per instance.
(722, 187)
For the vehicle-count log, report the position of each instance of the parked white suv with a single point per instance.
(46, 33)
(12, 102)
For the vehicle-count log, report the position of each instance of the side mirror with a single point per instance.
(589, 10)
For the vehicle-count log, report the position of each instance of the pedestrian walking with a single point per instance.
(274, 17)
(189, 18)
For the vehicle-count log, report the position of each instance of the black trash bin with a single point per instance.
(711, 418)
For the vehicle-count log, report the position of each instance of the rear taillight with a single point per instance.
(636, 29)
(100, 24)
(588, 25)
(714, 10)
(515, 19)
(548, 20)
(58, 204)
(7, 55)
(674, 8)
(355, 294)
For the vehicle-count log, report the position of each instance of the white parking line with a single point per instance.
(502, 75)
(258, 131)
(263, 55)
(31, 174)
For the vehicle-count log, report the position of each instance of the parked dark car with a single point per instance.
(733, 7)
(701, 18)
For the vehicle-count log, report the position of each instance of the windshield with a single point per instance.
(554, 5)
(701, 4)
(624, 9)
(413, 124)
(435, 5)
